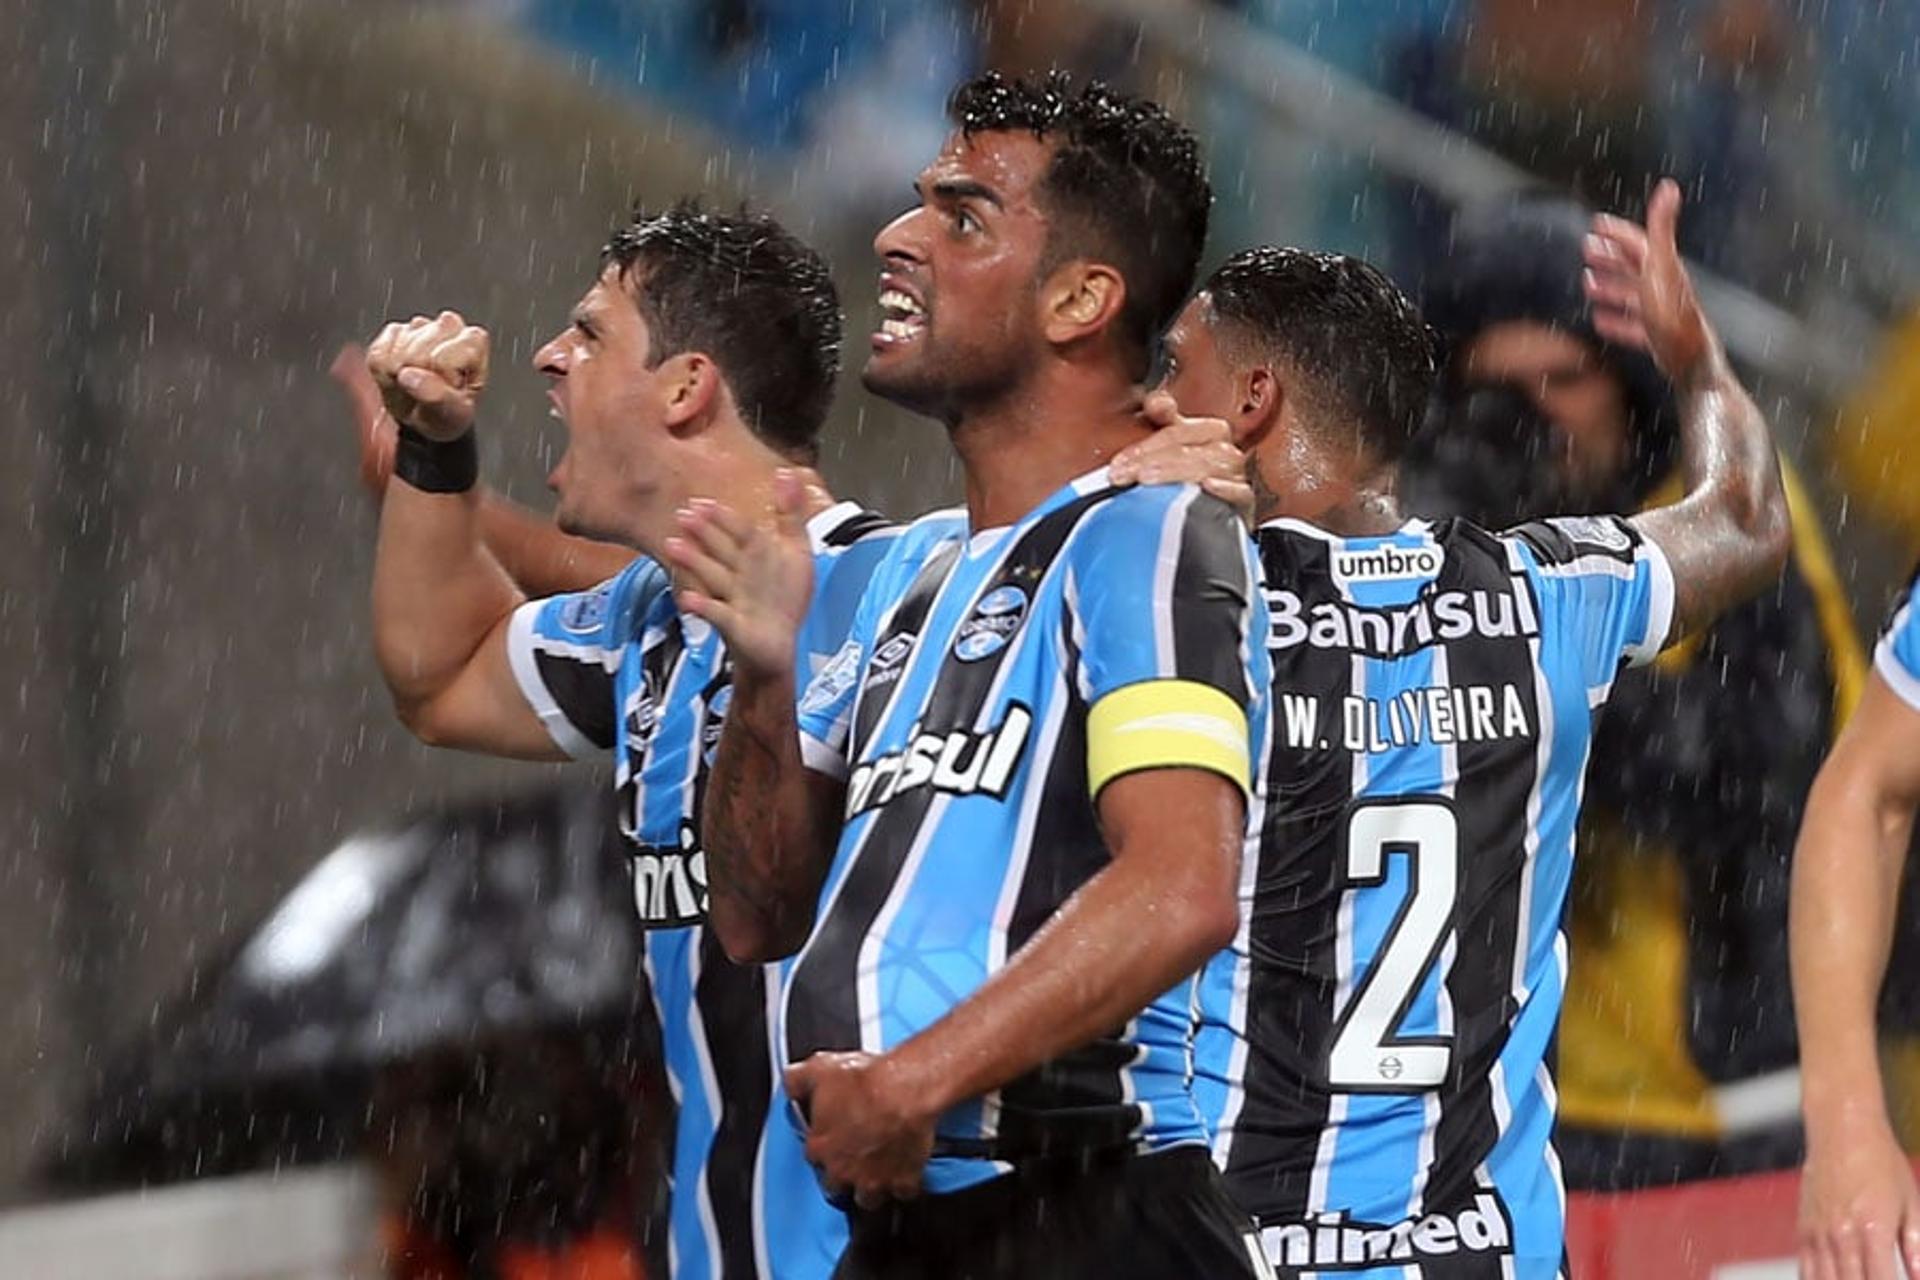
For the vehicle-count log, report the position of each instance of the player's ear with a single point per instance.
(1259, 396)
(690, 387)
(1080, 299)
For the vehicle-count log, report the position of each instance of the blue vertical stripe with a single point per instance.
(670, 970)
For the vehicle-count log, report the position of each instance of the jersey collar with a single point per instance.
(821, 525)
(1414, 526)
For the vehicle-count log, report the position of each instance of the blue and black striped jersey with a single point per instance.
(993, 683)
(1373, 1056)
(1897, 656)
(619, 669)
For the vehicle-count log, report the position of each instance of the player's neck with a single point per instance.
(1332, 494)
(725, 471)
(1020, 449)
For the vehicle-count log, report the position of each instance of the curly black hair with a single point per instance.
(1126, 182)
(747, 292)
(1340, 324)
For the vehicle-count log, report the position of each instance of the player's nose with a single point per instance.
(901, 241)
(551, 359)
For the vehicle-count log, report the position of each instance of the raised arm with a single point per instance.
(441, 602)
(1858, 1200)
(769, 824)
(541, 560)
(1729, 535)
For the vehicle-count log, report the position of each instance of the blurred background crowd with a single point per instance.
(249, 925)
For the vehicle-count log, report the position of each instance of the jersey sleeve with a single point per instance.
(845, 558)
(566, 651)
(1609, 587)
(1162, 607)
(1897, 656)
(826, 709)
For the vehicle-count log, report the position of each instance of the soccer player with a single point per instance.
(700, 362)
(1021, 803)
(1859, 1206)
(1373, 1054)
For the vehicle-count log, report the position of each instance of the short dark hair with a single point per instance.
(747, 292)
(1338, 322)
(1126, 182)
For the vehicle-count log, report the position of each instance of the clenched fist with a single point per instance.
(431, 372)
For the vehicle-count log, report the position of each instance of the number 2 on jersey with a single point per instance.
(1367, 1055)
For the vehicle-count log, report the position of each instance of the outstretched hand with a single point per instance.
(373, 426)
(431, 373)
(752, 581)
(1639, 289)
(1185, 450)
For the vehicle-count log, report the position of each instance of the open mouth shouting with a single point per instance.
(903, 317)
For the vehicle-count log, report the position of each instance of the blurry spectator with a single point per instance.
(850, 92)
(1678, 969)
(857, 84)
(1734, 97)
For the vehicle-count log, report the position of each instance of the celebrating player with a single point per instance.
(1859, 1206)
(1025, 776)
(700, 362)
(1373, 1058)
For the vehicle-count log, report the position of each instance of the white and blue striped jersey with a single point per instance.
(1374, 1049)
(619, 669)
(1897, 656)
(993, 683)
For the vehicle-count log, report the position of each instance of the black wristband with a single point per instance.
(436, 466)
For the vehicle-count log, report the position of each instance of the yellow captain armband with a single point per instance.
(1166, 724)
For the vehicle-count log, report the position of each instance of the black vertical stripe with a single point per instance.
(823, 990)
(732, 1002)
(1496, 780)
(909, 618)
(1076, 1099)
(1212, 567)
(1293, 967)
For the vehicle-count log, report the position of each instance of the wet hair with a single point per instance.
(747, 292)
(1125, 184)
(1342, 326)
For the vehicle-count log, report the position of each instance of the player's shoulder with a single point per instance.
(607, 615)
(924, 534)
(1575, 542)
(903, 549)
(846, 525)
(1154, 513)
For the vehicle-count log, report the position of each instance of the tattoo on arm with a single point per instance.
(1729, 535)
